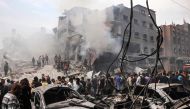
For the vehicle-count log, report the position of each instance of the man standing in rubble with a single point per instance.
(39, 61)
(95, 85)
(33, 61)
(66, 67)
(43, 60)
(55, 60)
(6, 68)
(47, 59)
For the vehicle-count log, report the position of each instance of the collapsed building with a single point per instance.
(74, 29)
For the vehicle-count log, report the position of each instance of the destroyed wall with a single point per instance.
(90, 25)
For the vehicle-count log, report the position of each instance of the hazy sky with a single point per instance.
(30, 15)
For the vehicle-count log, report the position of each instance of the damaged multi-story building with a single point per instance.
(175, 50)
(117, 17)
(69, 39)
(143, 32)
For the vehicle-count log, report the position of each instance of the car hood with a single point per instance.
(182, 103)
(71, 105)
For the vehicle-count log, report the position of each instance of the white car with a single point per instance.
(59, 97)
(165, 95)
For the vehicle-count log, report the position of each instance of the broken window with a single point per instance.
(144, 37)
(151, 38)
(151, 26)
(125, 18)
(143, 12)
(145, 49)
(144, 23)
(136, 21)
(137, 35)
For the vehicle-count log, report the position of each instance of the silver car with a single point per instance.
(166, 95)
(59, 97)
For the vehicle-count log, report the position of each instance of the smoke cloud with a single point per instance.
(98, 35)
(41, 43)
(91, 24)
(16, 46)
(18, 49)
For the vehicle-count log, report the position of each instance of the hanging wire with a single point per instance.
(158, 46)
(125, 48)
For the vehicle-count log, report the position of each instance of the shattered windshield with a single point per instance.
(58, 94)
(177, 92)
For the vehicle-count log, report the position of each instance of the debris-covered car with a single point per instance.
(59, 97)
(165, 95)
(120, 101)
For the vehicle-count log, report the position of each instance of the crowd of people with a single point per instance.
(107, 84)
(133, 79)
(41, 61)
(82, 85)
(15, 95)
(18, 94)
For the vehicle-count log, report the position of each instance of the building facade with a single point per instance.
(175, 47)
(144, 32)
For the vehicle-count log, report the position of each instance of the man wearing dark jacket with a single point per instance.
(6, 68)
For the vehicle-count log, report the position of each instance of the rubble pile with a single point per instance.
(27, 71)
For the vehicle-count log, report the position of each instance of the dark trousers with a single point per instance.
(6, 71)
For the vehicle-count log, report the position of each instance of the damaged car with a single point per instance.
(165, 95)
(59, 97)
(121, 101)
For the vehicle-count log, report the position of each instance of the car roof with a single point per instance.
(43, 89)
(162, 85)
